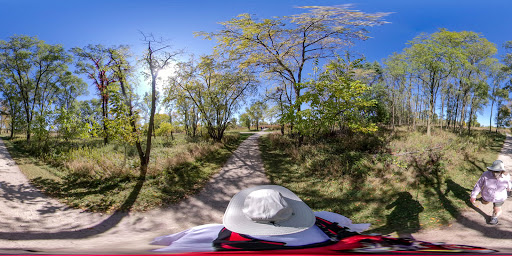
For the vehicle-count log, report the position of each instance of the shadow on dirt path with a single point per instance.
(31, 221)
(470, 227)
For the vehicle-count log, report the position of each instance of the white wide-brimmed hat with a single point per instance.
(497, 166)
(267, 210)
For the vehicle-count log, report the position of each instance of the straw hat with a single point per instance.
(497, 166)
(267, 210)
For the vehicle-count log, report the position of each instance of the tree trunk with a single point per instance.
(393, 110)
(431, 109)
(490, 116)
(462, 113)
(170, 120)
(12, 131)
(105, 129)
(442, 112)
(470, 118)
(456, 113)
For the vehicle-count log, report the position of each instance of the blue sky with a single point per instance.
(75, 23)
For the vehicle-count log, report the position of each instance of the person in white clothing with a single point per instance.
(267, 213)
(493, 186)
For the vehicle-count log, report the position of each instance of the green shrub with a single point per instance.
(361, 176)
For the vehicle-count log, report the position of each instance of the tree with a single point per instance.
(257, 111)
(245, 120)
(396, 71)
(433, 60)
(504, 117)
(473, 65)
(217, 88)
(68, 120)
(12, 103)
(156, 58)
(165, 129)
(160, 119)
(188, 110)
(95, 62)
(336, 98)
(507, 58)
(89, 113)
(281, 97)
(283, 46)
(34, 70)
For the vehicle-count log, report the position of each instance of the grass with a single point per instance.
(103, 178)
(398, 181)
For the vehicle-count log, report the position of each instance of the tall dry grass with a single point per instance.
(111, 160)
(95, 177)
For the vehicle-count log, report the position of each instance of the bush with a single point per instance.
(360, 176)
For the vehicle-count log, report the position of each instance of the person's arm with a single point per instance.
(509, 186)
(476, 190)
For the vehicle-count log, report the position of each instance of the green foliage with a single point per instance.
(365, 177)
(217, 88)
(35, 80)
(283, 46)
(454, 63)
(119, 124)
(504, 116)
(336, 99)
(70, 126)
(256, 112)
(245, 120)
(89, 175)
(165, 129)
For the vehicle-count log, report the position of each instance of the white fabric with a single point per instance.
(196, 239)
(266, 205)
(497, 166)
(237, 221)
(491, 188)
(200, 238)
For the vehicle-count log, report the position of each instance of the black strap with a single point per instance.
(334, 231)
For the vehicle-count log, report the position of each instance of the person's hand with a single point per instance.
(472, 200)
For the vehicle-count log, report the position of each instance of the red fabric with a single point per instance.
(237, 237)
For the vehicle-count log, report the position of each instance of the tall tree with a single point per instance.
(396, 75)
(336, 98)
(12, 103)
(33, 68)
(283, 46)
(433, 60)
(474, 62)
(245, 120)
(156, 58)
(95, 62)
(217, 87)
(257, 111)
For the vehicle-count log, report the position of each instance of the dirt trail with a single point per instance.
(31, 223)
(471, 227)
